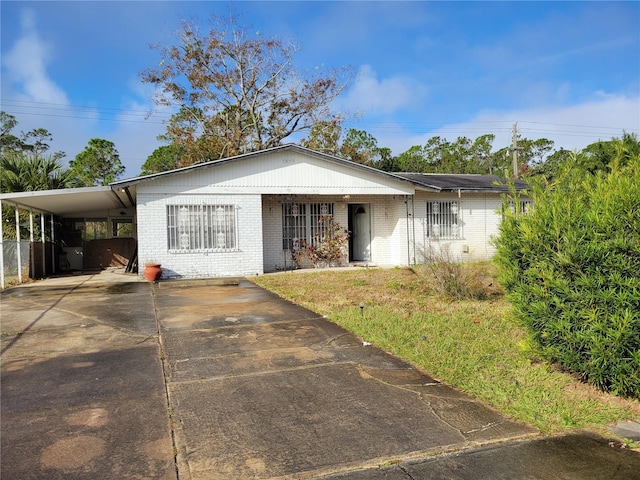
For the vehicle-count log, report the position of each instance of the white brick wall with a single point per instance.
(479, 219)
(153, 245)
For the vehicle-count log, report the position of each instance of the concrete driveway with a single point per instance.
(104, 376)
(83, 391)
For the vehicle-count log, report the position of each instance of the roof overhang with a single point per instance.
(69, 202)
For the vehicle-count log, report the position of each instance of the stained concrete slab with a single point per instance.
(199, 307)
(99, 415)
(300, 420)
(83, 392)
(267, 389)
(627, 429)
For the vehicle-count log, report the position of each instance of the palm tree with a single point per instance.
(22, 171)
(25, 171)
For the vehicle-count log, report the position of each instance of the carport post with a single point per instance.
(18, 256)
(44, 256)
(32, 260)
(1, 250)
(53, 247)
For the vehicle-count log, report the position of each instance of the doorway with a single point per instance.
(360, 228)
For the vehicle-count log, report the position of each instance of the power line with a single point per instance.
(146, 121)
(144, 114)
(570, 125)
(65, 106)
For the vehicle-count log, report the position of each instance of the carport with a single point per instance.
(61, 225)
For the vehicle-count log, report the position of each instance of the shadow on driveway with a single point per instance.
(83, 393)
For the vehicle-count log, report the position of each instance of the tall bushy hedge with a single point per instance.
(571, 269)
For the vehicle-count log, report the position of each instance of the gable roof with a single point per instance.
(282, 148)
(443, 182)
(434, 182)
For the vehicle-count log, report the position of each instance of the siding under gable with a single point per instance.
(287, 172)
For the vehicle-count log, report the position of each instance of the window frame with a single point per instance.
(116, 231)
(301, 223)
(95, 228)
(525, 205)
(443, 220)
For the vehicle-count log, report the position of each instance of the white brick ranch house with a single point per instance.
(243, 215)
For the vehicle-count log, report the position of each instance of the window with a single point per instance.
(201, 227)
(122, 227)
(76, 231)
(301, 223)
(442, 220)
(95, 228)
(525, 206)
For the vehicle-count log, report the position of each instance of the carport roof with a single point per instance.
(69, 201)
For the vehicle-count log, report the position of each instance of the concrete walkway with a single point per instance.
(104, 376)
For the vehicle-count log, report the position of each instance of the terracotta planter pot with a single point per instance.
(153, 272)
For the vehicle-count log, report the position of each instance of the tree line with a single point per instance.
(26, 163)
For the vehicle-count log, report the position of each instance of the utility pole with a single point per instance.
(514, 148)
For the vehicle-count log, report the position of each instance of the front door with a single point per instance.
(360, 228)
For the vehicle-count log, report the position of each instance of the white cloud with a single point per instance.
(37, 101)
(570, 127)
(25, 65)
(34, 98)
(381, 96)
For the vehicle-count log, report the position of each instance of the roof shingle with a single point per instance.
(463, 182)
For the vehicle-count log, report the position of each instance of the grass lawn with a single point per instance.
(473, 345)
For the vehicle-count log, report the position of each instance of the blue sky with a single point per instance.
(567, 71)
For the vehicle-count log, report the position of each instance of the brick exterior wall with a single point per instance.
(245, 260)
(479, 221)
(394, 239)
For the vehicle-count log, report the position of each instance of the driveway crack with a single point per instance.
(165, 373)
(421, 397)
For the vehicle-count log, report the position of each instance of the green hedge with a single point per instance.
(571, 269)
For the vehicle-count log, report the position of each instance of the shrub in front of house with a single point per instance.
(571, 269)
(327, 248)
(453, 279)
